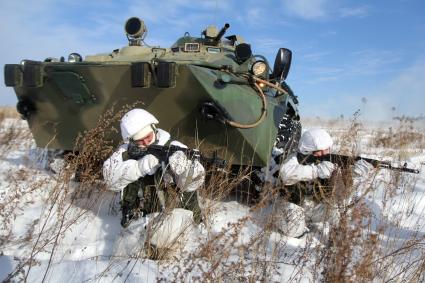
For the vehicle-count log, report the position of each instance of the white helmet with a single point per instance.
(135, 121)
(314, 140)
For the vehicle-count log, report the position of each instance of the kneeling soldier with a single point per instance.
(138, 180)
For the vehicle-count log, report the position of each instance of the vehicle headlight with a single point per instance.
(74, 58)
(259, 68)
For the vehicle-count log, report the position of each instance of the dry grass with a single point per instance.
(401, 136)
(8, 112)
(354, 247)
(349, 245)
(12, 132)
(62, 194)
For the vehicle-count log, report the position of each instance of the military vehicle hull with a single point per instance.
(72, 97)
(205, 92)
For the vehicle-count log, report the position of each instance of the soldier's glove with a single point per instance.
(325, 169)
(189, 175)
(148, 165)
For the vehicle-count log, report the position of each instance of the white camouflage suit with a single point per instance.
(292, 172)
(119, 173)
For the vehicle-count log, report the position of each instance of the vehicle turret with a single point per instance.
(212, 37)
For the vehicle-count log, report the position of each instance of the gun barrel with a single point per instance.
(387, 165)
(401, 169)
(405, 169)
(222, 32)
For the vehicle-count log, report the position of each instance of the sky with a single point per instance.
(348, 55)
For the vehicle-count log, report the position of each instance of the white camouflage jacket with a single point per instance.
(291, 172)
(118, 173)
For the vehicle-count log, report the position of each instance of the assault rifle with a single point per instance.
(163, 153)
(344, 161)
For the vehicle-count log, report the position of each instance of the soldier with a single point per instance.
(312, 184)
(136, 180)
(316, 142)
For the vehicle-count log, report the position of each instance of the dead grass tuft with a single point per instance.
(403, 136)
(8, 112)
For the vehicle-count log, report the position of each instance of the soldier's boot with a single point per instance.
(126, 215)
(130, 204)
(130, 211)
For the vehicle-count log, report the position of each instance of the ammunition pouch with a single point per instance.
(150, 194)
(319, 190)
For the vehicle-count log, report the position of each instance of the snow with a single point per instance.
(48, 235)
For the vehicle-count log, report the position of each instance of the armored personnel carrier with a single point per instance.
(210, 92)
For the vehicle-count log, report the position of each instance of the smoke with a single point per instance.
(403, 95)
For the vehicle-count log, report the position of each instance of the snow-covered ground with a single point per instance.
(62, 231)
